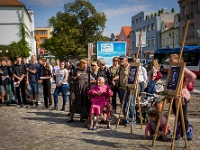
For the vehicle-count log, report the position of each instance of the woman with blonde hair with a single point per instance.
(93, 74)
(79, 90)
(189, 77)
(153, 75)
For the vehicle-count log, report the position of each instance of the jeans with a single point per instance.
(141, 86)
(121, 95)
(184, 107)
(63, 89)
(151, 87)
(40, 92)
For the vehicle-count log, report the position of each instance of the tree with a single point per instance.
(105, 38)
(155, 14)
(172, 11)
(151, 15)
(112, 36)
(159, 12)
(73, 29)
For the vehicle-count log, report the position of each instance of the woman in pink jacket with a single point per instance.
(99, 94)
(189, 77)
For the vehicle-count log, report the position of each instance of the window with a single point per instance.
(149, 42)
(176, 39)
(163, 41)
(193, 6)
(147, 17)
(148, 28)
(144, 29)
(140, 19)
(184, 10)
(122, 37)
(152, 26)
(136, 20)
(169, 40)
(183, 31)
(192, 29)
(153, 41)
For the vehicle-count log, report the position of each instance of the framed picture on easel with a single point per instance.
(133, 75)
(175, 75)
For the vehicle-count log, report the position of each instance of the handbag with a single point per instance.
(158, 76)
(190, 86)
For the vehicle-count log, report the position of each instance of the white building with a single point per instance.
(13, 14)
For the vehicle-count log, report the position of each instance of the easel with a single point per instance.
(132, 89)
(174, 94)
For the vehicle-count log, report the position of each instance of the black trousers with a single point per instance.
(184, 107)
(114, 103)
(47, 92)
(23, 94)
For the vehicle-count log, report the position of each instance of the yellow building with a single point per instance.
(170, 33)
(41, 34)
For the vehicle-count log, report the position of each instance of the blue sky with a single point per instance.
(119, 12)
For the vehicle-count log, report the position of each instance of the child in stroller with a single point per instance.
(99, 98)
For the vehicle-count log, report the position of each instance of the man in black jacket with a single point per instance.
(19, 73)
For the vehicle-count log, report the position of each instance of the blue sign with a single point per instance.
(167, 47)
(108, 50)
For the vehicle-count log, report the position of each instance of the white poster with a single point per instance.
(143, 42)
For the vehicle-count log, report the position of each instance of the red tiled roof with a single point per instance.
(169, 24)
(127, 30)
(117, 35)
(10, 3)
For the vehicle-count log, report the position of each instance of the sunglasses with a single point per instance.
(115, 60)
(93, 65)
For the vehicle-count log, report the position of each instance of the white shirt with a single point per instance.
(56, 68)
(61, 75)
(143, 75)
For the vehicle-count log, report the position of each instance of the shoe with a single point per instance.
(70, 121)
(90, 128)
(95, 127)
(54, 108)
(82, 120)
(63, 109)
(18, 106)
(68, 114)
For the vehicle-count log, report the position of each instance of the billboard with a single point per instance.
(108, 50)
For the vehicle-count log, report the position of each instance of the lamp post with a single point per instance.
(96, 29)
(172, 35)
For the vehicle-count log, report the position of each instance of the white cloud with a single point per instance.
(113, 13)
(45, 2)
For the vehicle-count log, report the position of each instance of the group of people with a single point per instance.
(96, 80)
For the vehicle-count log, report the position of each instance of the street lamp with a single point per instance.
(172, 37)
(6, 51)
(96, 29)
(1, 51)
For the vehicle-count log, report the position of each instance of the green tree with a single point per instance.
(151, 15)
(105, 38)
(112, 36)
(73, 29)
(172, 11)
(159, 12)
(155, 14)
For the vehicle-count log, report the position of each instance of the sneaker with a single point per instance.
(39, 103)
(63, 109)
(18, 106)
(37, 107)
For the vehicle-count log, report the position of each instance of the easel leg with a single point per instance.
(175, 123)
(158, 124)
(122, 107)
(183, 126)
(133, 117)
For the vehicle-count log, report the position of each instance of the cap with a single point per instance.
(123, 56)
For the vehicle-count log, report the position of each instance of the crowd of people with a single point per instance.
(97, 80)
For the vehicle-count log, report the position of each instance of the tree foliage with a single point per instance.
(112, 36)
(73, 29)
(172, 11)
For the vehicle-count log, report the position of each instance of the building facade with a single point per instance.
(124, 36)
(150, 23)
(13, 14)
(41, 34)
(170, 33)
(190, 10)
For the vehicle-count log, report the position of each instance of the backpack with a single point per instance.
(189, 131)
(158, 76)
(190, 86)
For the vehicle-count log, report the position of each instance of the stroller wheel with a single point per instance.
(112, 119)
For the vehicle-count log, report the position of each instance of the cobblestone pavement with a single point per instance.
(23, 128)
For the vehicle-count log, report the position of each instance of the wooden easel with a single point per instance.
(132, 89)
(174, 95)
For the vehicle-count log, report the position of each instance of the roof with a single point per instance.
(117, 35)
(10, 3)
(169, 25)
(127, 30)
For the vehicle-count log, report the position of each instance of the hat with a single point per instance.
(123, 56)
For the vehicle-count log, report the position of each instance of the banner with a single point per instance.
(108, 50)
